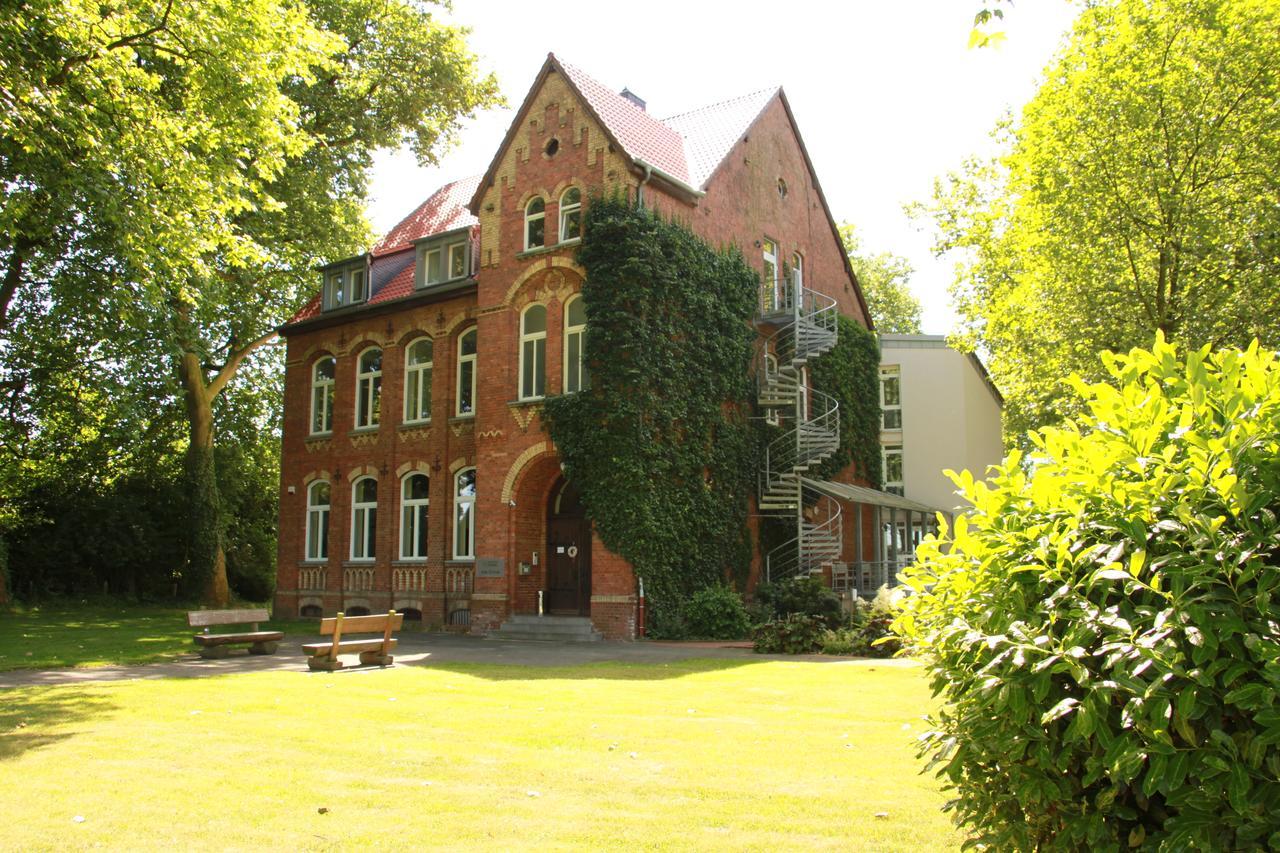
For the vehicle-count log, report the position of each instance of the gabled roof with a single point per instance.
(445, 210)
(710, 132)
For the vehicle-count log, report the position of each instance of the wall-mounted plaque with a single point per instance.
(489, 567)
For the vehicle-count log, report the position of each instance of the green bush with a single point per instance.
(842, 641)
(716, 613)
(804, 595)
(1104, 623)
(796, 634)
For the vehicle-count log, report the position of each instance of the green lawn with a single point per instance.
(697, 755)
(100, 634)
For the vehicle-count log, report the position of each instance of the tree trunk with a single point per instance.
(207, 562)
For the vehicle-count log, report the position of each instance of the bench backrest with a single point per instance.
(363, 624)
(199, 618)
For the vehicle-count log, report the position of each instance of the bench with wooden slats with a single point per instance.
(218, 645)
(372, 651)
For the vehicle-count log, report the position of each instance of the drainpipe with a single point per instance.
(640, 617)
(650, 170)
(648, 173)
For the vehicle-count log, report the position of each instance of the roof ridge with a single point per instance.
(745, 95)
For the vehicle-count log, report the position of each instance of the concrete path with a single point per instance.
(423, 650)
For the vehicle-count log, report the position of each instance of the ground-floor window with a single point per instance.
(464, 522)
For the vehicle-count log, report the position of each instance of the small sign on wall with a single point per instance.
(489, 567)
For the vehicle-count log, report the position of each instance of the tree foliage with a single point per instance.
(884, 280)
(660, 445)
(1138, 192)
(1102, 624)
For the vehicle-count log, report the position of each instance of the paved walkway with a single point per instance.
(423, 650)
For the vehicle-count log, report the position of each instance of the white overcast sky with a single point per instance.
(887, 94)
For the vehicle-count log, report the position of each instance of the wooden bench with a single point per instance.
(372, 651)
(218, 645)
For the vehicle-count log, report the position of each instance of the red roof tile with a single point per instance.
(445, 210)
(710, 132)
(641, 135)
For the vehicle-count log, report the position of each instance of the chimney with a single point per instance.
(633, 98)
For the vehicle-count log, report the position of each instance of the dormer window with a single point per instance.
(346, 283)
(444, 258)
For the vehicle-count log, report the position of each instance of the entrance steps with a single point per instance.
(558, 629)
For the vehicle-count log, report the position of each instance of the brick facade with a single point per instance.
(558, 141)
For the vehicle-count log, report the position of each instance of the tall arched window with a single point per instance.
(417, 381)
(535, 223)
(369, 388)
(317, 521)
(533, 352)
(322, 375)
(575, 336)
(466, 374)
(570, 214)
(797, 270)
(464, 517)
(414, 501)
(364, 518)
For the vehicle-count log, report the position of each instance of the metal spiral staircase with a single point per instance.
(806, 328)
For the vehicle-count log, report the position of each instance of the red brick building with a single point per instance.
(415, 472)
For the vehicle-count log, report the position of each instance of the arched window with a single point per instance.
(322, 375)
(317, 521)
(533, 352)
(570, 214)
(466, 374)
(575, 335)
(369, 388)
(417, 381)
(464, 520)
(364, 518)
(535, 223)
(797, 270)
(414, 500)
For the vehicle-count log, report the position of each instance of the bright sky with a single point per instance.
(887, 94)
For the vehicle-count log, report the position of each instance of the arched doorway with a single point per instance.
(568, 553)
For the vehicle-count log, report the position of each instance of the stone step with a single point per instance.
(563, 629)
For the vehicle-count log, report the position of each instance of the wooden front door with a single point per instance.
(568, 566)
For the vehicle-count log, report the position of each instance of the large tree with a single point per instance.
(1139, 191)
(884, 280)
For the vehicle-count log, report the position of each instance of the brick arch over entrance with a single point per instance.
(532, 481)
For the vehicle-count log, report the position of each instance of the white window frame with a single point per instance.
(572, 331)
(471, 360)
(803, 394)
(317, 518)
(771, 415)
(414, 516)
(464, 506)
(769, 259)
(343, 286)
(567, 209)
(797, 270)
(887, 450)
(364, 521)
(886, 374)
(441, 277)
(357, 285)
(417, 383)
(458, 249)
(322, 395)
(373, 379)
(530, 218)
(536, 344)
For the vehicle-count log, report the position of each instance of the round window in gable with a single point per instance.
(553, 145)
(782, 188)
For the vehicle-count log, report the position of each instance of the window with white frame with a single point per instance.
(433, 263)
(803, 390)
(466, 396)
(533, 352)
(369, 388)
(344, 285)
(890, 398)
(457, 260)
(772, 295)
(443, 258)
(322, 378)
(417, 381)
(797, 270)
(317, 521)
(570, 214)
(364, 518)
(771, 415)
(414, 502)
(535, 223)
(576, 377)
(892, 459)
(464, 520)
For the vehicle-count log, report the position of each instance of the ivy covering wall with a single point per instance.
(850, 372)
(661, 446)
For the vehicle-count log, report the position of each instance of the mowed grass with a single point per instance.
(705, 755)
(103, 633)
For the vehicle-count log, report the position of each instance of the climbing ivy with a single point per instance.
(660, 445)
(850, 372)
